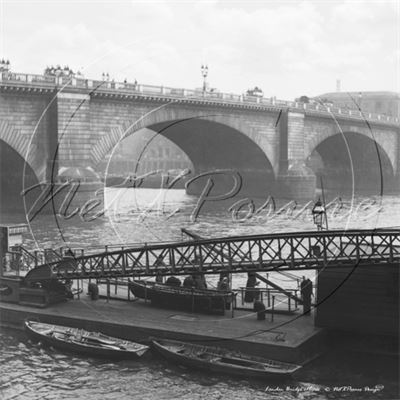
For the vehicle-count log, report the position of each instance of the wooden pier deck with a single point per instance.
(288, 338)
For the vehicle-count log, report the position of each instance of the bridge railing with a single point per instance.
(130, 88)
(304, 250)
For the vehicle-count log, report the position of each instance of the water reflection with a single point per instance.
(151, 215)
(29, 371)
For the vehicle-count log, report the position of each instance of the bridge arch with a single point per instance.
(25, 147)
(17, 173)
(350, 160)
(316, 132)
(211, 140)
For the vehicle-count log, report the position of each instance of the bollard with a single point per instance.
(93, 291)
(259, 308)
(273, 309)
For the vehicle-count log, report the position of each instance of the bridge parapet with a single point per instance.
(8, 80)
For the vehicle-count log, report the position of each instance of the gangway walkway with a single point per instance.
(257, 253)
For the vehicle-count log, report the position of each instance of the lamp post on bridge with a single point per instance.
(204, 72)
(360, 97)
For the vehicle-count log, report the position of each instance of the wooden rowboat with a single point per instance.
(84, 342)
(222, 361)
(183, 298)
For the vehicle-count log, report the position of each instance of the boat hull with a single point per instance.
(223, 362)
(194, 300)
(96, 345)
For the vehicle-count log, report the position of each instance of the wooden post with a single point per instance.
(108, 290)
(77, 283)
(18, 262)
(3, 248)
(273, 308)
(147, 257)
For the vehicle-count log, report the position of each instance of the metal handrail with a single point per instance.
(286, 251)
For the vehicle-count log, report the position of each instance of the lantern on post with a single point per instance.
(204, 73)
(318, 213)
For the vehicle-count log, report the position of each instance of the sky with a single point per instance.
(287, 48)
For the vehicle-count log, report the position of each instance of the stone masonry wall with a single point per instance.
(23, 126)
(74, 144)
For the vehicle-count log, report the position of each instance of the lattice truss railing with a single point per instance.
(304, 250)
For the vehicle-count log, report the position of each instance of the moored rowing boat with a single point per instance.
(222, 361)
(84, 342)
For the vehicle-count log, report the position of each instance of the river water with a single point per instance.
(28, 371)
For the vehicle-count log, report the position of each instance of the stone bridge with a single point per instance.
(51, 123)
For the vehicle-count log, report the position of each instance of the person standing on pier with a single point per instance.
(223, 284)
(189, 282)
(159, 262)
(306, 288)
(200, 281)
(252, 293)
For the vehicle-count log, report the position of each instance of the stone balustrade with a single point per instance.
(51, 82)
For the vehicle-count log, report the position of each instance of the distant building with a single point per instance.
(144, 152)
(387, 103)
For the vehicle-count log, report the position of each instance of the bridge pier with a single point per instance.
(299, 182)
(295, 180)
(71, 187)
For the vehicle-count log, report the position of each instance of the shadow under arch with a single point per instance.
(13, 181)
(338, 157)
(213, 146)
